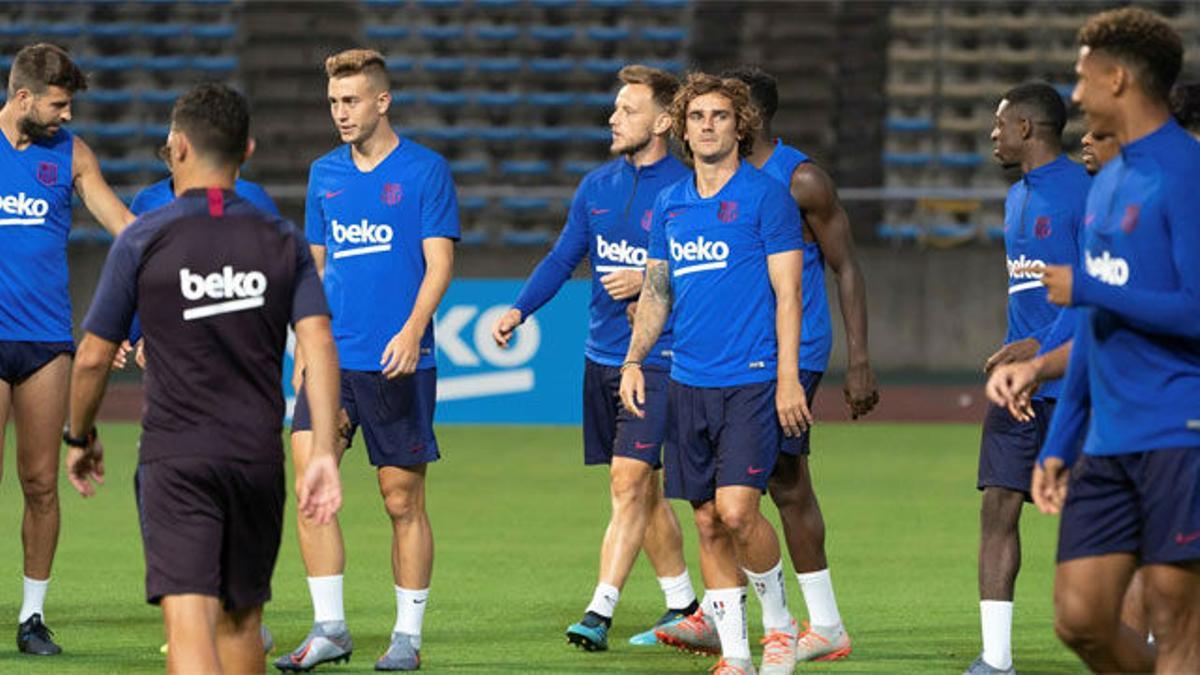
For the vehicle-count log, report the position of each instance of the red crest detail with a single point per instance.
(392, 194)
(1129, 220)
(47, 173)
(646, 218)
(728, 212)
(1041, 227)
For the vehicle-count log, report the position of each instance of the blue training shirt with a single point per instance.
(1136, 358)
(816, 334)
(372, 225)
(35, 219)
(716, 249)
(609, 222)
(1043, 216)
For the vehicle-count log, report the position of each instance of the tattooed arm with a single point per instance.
(653, 309)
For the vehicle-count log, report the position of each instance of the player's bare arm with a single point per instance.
(403, 351)
(1012, 385)
(319, 493)
(318, 256)
(89, 378)
(791, 404)
(1013, 352)
(816, 194)
(653, 310)
(97, 196)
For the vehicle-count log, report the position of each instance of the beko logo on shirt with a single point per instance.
(1106, 268)
(629, 256)
(366, 237)
(1025, 268)
(27, 210)
(237, 291)
(711, 255)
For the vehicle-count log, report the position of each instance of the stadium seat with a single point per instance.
(113, 31)
(159, 96)
(108, 63)
(553, 4)
(89, 235)
(662, 5)
(609, 4)
(115, 132)
(553, 99)
(497, 100)
(386, 32)
(441, 4)
(525, 168)
(447, 99)
(164, 63)
(499, 66)
(156, 131)
(6, 63)
(503, 135)
(550, 134)
(592, 134)
(995, 232)
(552, 66)
(442, 33)
(497, 5)
(215, 64)
(60, 30)
(579, 167)
(405, 97)
(474, 203)
(444, 66)
(534, 237)
(106, 96)
(384, 4)
(664, 34)
(603, 101)
(907, 158)
(16, 29)
(398, 64)
(552, 34)
(474, 237)
(603, 67)
(469, 168)
(669, 65)
(165, 31)
(447, 134)
(909, 124)
(224, 31)
(607, 33)
(122, 167)
(961, 159)
(954, 231)
(492, 33)
(898, 233)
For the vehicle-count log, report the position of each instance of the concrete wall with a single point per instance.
(935, 311)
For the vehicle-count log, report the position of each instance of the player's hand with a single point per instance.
(631, 313)
(633, 390)
(1011, 386)
(319, 493)
(505, 326)
(860, 390)
(1020, 350)
(622, 284)
(791, 405)
(85, 466)
(1050, 485)
(1057, 279)
(402, 354)
(140, 355)
(121, 358)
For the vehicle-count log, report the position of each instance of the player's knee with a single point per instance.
(1000, 509)
(1077, 624)
(41, 492)
(737, 517)
(630, 487)
(708, 525)
(403, 506)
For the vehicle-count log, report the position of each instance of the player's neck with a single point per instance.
(653, 153)
(1141, 117)
(12, 128)
(372, 150)
(1038, 156)
(711, 177)
(764, 147)
(202, 178)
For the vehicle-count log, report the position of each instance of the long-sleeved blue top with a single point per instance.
(1043, 216)
(1136, 357)
(609, 222)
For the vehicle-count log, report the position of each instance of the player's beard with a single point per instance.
(35, 130)
(634, 148)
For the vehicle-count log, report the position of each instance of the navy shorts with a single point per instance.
(396, 416)
(1144, 503)
(609, 429)
(19, 360)
(1009, 448)
(210, 527)
(799, 445)
(719, 437)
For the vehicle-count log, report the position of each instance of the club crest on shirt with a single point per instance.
(1130, 220)
(1041, 227)
(392, 194)
(646, 217)
(47, 173)
(727, 212)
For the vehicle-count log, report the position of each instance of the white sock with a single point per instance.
(326, 593)
(678, 591)
(33, 599)
(996, 617)
(410, 613)
(772, 595)
(706, 604)
(604, 600)
(818, 595)
(728, 607)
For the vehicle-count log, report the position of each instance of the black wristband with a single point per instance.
(82, 442)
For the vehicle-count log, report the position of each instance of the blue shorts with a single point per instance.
(1144, 503)
(799, 445)
(719, 437)
(1009, 448)
(609, 429)
(19, 360)
(396, 415)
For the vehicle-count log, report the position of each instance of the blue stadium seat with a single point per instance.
(60, 30)
(474, 237)
(598, 100)
(610, 4)
(474, 203)
(603, 66)
(995, 233)
(525, 168)
(909, 124)
(16, 29)
(156, 131)
(115, 31)
(223, 31)
(497, 5)
(552, 33)
(215, 64)
(164, 31)
(90, 235)
(907, 158)
(444, 66)
(961, 159)
(159, 96)
(955, 231)
(447, 99)
(469, 167)
(387, 32)
(669, 65)
(607, 33)
(513, 237)
(552, 66)
(579, 167)
(898, 233)
(6, 62)
(503, 134)
(405, 97)
(669, 34)
(447, 134)
(109, 63)
(504, 66)
(391, 4)
(666, 4)
(121, 167)
(442, 33)
(550, 134)
(213, 3)
(553, 4)
(491, 33)
(106, 96)
(399, 64)
(164, 63)
(441, 4)
(116, 132)
(497, 99)
(554, 99)
(592, 134)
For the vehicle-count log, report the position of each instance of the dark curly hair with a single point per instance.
(1140, 39)
(216, 120)
(38, 67)
(1185, 105)
(749, 120)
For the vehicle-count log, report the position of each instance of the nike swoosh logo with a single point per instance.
(418, 602)
(331, 195)
(753, 471)
(600, 212)
(644, 446)
(1185, 539)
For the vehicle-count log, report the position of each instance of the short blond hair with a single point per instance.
(359, 61)
(749, 119)
(663, 85)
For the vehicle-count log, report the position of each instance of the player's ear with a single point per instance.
(662, 123)
(1026, 128)
(383, 102)
(1119, 79)
(251, 146)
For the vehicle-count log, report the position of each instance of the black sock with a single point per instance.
(592, 619)
(689, 610)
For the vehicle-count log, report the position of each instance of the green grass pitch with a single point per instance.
(518, 521)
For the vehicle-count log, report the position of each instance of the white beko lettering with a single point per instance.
(236, 291)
